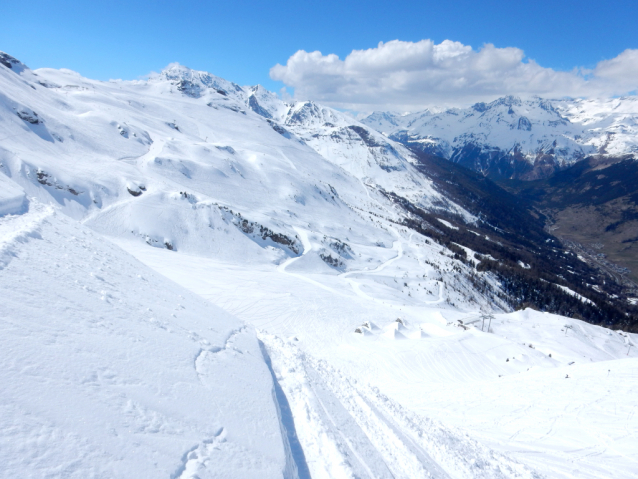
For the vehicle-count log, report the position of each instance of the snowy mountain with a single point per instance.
(514, 138)
(201, 280)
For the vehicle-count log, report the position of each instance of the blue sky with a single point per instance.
(242, 40)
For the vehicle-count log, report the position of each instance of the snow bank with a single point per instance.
(12, 197)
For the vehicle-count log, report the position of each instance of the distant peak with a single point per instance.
(258, 89)
(509, 100)
(194, 82)
(176, 70)
(480, 107)
(260, 92)
(175, 66)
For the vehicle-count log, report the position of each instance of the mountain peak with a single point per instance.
(195, 83)
(12, 63)
(260, 90)
(177, 71)
(509, 100)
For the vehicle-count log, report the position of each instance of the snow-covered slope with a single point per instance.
(110, 370)
(188, 142)
(287, 217)
(609, 125)
(404, 383)
(510, 137)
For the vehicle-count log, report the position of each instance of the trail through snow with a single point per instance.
(307, 248)
(356, 286)
(354, 431)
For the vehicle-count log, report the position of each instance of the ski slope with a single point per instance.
(502, 397)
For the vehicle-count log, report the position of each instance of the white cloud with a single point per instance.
(401, 75)
(621, 71)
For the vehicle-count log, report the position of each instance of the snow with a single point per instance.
(448, 224)
(112, 370)
(187, 276)
(575, 294)
(12, 197)
(437, 373)
(569, 128)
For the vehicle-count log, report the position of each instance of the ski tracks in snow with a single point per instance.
(354, 431)
(326, 429)
(356, 286)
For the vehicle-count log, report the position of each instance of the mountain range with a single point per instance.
(512, 138)
(203, 280)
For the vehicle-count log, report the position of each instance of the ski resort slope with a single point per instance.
(200, 280)
(476, 404)
(110, 370)
(183, 159)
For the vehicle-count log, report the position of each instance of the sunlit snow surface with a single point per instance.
(110, 370)
(281, 245)
(502, 388)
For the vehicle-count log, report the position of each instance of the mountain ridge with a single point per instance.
(226, 162)
(512, 138)
(205, 281)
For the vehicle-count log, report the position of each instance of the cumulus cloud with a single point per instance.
(401, 75)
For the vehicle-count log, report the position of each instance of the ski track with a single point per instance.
(434, 469)
(282, 268)
(350, 439)
(370, 438)
(356, 286)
